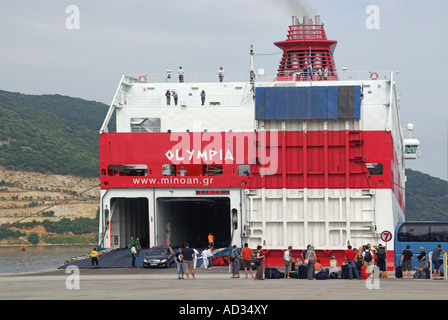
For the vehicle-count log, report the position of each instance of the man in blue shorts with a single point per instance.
(188, 257)
(436, 260)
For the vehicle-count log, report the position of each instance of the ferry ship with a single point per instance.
(307, 156)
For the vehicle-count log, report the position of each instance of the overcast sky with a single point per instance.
(40, 54)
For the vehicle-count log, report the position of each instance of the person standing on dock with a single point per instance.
(188, 257)
(131, 244)
(134, 254)
(138, 246)
(180, 264)
(247, 256)
(288, 262)
(259, 263)
(94, 255)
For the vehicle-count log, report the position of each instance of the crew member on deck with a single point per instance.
(211, 241)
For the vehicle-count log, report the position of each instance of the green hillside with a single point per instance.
(429, 189)
(50, 134)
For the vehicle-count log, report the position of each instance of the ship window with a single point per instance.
(375, 169)
(169, 170)
(145, 124)
(243, 169)
(411, 149)
(192, 170)
(213, 169)
(128, 170)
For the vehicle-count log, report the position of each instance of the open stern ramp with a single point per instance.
(170, 216)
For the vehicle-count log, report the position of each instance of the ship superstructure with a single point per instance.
(305, 156)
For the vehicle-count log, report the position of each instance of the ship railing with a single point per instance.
(346, 75)
(172, 77)
(188, 99)
(342, 75)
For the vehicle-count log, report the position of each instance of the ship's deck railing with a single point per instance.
(346, 75)
(343, 75)
(192, 77)
(185, 99)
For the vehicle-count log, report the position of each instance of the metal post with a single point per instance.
(445, 266)
(430, 264)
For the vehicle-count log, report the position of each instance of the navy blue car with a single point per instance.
(158, 256)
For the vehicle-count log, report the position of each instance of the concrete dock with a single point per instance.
(216, 284)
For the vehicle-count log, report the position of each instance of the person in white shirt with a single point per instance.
(134, 255)
(195, 258)
(180, 72)
(204, 259)
(288, 262)
(182, 171)
(221, 74)
(207, 254)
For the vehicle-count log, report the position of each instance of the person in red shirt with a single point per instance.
(350, 257)
(246, 253)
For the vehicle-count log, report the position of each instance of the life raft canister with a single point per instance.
(373, 75)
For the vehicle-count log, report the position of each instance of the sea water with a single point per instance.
(35, 258)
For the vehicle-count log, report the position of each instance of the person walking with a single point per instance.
(260, 257)
(138, 246)
(287, 262)
(188, 257)
(94, 255)
(180, 264)
(246, 254)
(235, 262)
(310, 258)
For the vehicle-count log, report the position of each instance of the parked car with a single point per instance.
(158, 256)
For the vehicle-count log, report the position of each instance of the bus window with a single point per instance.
(439, 232)
(413, 232)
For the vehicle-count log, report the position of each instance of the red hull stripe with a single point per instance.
(291, 159)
